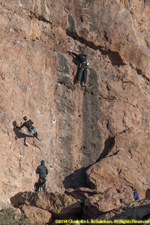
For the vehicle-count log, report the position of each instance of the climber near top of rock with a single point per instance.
(28, 125)
(42, 171)
(82, 73)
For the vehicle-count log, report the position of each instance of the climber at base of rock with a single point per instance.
(28, 125)
(136, 196)
(42, 171)
(82, 73)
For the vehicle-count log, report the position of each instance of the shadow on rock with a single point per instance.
(77, 63)
(76, 179)
(79, 178)
(109, 144)
(76, 76)
(147, 194)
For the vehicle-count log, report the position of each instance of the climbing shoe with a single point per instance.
(83, 84)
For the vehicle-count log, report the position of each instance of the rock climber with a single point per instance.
(136, 196)
(42, 171)
(28, 125)
(82, 74)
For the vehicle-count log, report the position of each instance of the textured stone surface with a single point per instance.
(102, 130)
(81, 193)
(99, 204)
(36, 215)
(60, 205)
(138, 210)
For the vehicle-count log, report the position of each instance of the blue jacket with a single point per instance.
(136, 196)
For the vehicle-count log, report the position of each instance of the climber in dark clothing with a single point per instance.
(82, 74)
(42, 171)
(28, 125)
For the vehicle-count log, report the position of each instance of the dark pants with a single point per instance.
(40, 184)
(82, 75)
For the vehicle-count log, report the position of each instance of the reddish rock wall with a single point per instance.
(107, 123)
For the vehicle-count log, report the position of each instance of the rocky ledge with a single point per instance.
(82, 203)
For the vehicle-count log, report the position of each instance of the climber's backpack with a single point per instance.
(42, 172)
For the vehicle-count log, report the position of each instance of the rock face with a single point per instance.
(96, 137)
(36, 214)
(96, 203)
(60, 205)
(135, 210)
(99, 204)
(43, 207)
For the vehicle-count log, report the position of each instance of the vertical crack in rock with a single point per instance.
(91, 114)
(91, 147)
(65, 105)
(92, 139)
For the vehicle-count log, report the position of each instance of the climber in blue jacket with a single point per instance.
(136, 196)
